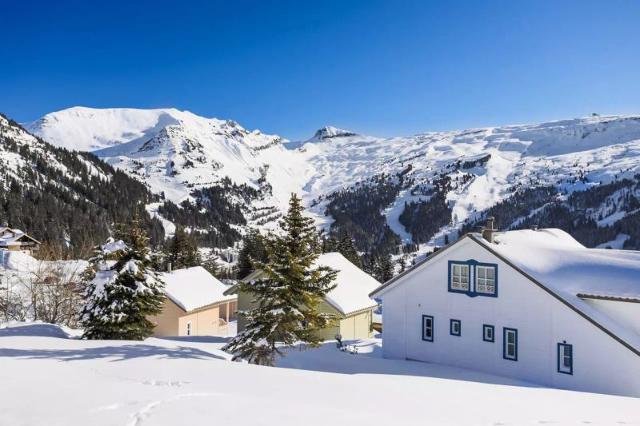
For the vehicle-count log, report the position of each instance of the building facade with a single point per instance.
(194, 305)
(516, 309)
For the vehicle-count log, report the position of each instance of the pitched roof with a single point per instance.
(353, 285)
(555, 258)
(563, 267)
(12, 236)
(193, 288)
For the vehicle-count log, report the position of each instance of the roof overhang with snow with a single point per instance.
(571, 300)
(194, 289)
(351, 294)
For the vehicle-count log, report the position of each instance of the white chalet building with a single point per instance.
(534, 305)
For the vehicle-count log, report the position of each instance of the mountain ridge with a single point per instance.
(465, 172)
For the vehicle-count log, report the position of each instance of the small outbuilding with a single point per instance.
(195, 305)
(348, 302)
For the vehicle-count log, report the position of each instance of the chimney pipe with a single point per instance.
(489, 231)
(169, 267)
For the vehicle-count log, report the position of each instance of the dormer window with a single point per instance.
(473, 278)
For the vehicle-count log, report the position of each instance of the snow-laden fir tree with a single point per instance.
(287, 294)
(122, 288)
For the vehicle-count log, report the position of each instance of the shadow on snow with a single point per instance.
(327, 358)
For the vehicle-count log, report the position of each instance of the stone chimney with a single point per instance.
(488, 231)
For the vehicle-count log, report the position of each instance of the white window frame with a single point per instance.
(461, 277)
(483, 283)
(488, 328)
(563, 356)
(425, 328)
(506, 345)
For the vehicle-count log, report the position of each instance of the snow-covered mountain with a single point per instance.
(175, 152)
(68, 199)
(472, 170)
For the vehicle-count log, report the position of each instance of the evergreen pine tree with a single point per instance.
(122, 288)
(288, 295)
(183, 250)
(382, 267)
(329, 243)
(347, 248)
(210, 263)
(253, 250)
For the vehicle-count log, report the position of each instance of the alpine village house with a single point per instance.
(534, 305)
(348, 302)
(12, 239)
(194, 305)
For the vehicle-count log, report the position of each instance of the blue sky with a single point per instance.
(289, 67)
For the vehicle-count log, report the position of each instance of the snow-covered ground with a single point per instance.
(49, 378)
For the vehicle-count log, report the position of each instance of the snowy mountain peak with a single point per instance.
(329, 132)
(91, 129)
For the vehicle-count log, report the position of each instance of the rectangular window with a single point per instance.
(488, 333)
(455, 327)
(486, 279)
(565, 358)
(188, 329)
(459, 277)
(510, 344)
(427, 328)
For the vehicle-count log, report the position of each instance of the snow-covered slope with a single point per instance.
(89, 129)
(599, 149)
(175, 152)
(189, 380)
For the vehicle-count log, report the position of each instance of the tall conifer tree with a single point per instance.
(288, 294)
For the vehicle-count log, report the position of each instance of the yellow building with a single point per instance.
(349, 301)
(195, 305)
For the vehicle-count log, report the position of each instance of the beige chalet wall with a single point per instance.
(203, 323)
(206, 322)
(357, 326)
(167, 322)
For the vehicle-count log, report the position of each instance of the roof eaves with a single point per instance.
(608, 297)
(417, 265)
(557, 296)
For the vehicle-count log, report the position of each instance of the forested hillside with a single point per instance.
(67, 199)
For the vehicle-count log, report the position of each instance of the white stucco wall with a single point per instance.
(626, 313)
(601, 364)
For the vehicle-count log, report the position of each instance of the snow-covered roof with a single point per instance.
(567, 269)
(353, 285)
(11, 237)
(194, 288)
(556, 259)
